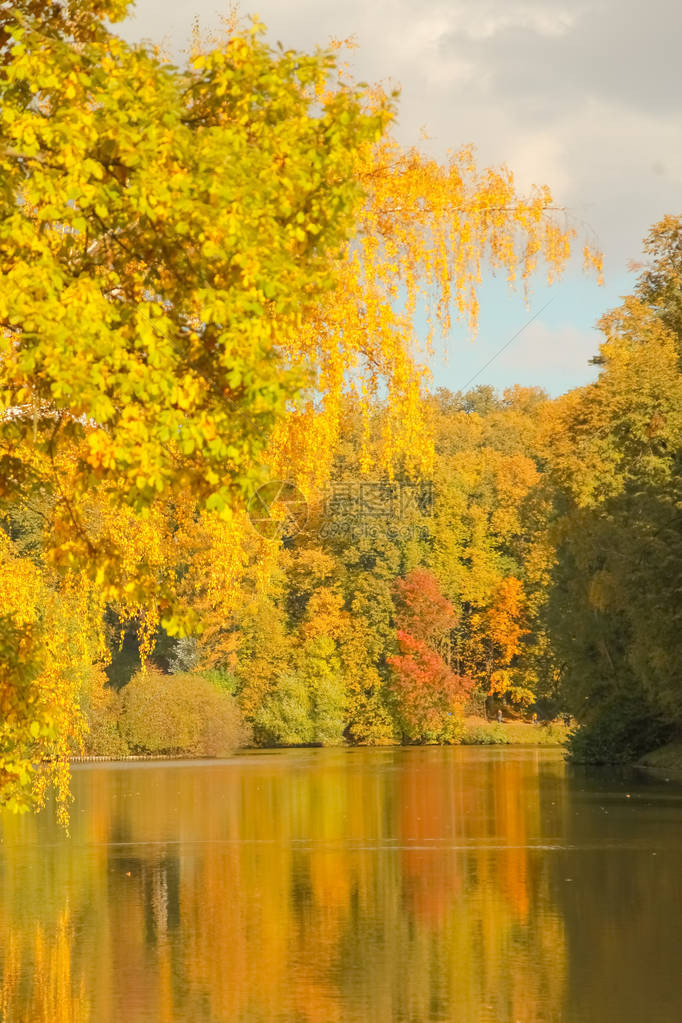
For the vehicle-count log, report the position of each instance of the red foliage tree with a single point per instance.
(421, 608)
(427, 692)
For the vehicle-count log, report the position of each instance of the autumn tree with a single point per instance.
(614, 452)
(198, 264)
(428, 693)
(146, 297)
(489, 549)
(163, 232)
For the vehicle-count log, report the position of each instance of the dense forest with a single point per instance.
(536, 569)
(232, 508)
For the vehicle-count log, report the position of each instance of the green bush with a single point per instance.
(450, 732)
(619, 733)
(486, 735)
(222, 678)
(284, 717)
(307, 706)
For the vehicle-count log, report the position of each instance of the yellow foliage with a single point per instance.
(424, 234)
(43, 654)
(197, 265)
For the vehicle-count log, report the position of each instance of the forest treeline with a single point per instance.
(536, 569)
(219, 457)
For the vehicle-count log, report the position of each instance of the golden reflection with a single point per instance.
(314, 886)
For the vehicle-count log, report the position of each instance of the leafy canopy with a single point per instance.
(163, 232)
(197, 265)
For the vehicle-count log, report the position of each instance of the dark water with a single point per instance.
(468, 885)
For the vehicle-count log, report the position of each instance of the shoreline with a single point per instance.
(478, 732)
(664, 761)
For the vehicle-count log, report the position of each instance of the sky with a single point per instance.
(581, 96)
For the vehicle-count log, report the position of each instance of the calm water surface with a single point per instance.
(470, 885)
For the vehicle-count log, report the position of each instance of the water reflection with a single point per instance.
(481, 886)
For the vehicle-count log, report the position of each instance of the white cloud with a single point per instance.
(538, 157)
(485, 21)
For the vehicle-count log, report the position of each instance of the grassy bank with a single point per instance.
(666, 759)
(479, 732)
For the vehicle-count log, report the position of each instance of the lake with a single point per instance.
(467, 884)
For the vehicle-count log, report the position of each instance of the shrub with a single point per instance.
(179, 715)
(284, 717)
(619, 733)
(486, 735)
(222, 678)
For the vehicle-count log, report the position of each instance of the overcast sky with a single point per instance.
(584, 97)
